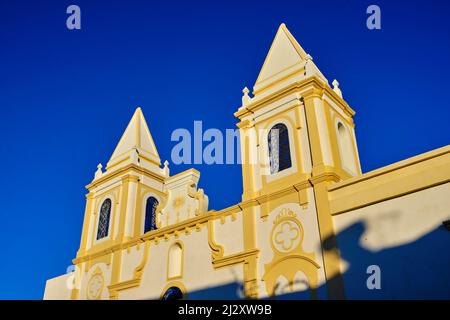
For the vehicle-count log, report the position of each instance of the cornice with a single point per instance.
(186, 226)
(116, 173)
(316, 86)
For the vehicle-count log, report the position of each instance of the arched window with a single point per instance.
(301, 282)
(281, 286)
(103, 219)
(175, 263)
(279, 151)
(346, 148)
(173, 293)
(150, 214)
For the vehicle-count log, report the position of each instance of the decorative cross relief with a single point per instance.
(287, 236)
(287, 233)
(288, 255)
(95, 285)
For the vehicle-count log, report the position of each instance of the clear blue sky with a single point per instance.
(66, 96)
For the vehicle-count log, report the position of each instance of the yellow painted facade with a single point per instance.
(285, 226)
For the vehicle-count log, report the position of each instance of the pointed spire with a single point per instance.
(284, 52)
(285, 58)
(136, 145)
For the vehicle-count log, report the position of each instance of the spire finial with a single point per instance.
(166, 170)
(336, 88)
(245, 97)
(99, 171)
(310, 67)
(134, 156)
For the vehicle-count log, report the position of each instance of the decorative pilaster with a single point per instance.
(251, 262)
(322, 175)
(129, 197)
(249, 157)
(86, 224)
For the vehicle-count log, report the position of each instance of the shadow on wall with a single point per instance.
(417, 270)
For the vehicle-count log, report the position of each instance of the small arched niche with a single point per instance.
(346, 150)
(175, 261)
(279, 148)
(173, 293)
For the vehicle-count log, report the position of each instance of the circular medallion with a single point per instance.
(95, 287)
(286, 235)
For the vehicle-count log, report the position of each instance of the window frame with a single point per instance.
(144, 211)
(97, 214)
(281, 126)
(292, 149)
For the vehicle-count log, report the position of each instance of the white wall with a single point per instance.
(57, 288)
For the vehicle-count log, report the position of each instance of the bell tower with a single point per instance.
(134, 164)
(296, 125)
(297, 137)
(129, 203)
(115, 206)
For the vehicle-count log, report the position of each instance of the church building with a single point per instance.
(310, 224)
